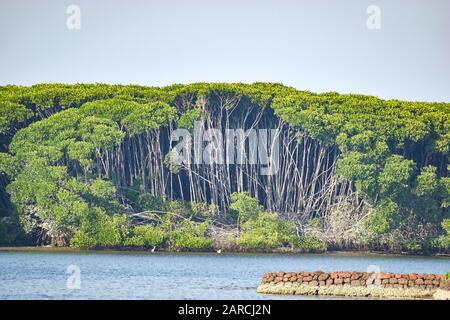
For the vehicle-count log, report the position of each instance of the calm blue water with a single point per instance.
(121, 275)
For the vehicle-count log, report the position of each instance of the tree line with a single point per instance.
(91, 166)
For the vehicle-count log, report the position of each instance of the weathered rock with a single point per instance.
(428, 277)
(355, 276)
(412, 276)
(355, 283)
(410, 293)
(441, 294)
(384, 275)
(323, 276)
(444, 284)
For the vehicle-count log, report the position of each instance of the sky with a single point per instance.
(316, 45)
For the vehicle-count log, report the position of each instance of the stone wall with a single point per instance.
(382, 285)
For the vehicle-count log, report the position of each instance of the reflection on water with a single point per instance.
(122, 275)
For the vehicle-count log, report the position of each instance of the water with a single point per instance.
(131, 275)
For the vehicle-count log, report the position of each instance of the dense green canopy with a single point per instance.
(79, 158)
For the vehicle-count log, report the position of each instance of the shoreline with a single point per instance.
(52, 249)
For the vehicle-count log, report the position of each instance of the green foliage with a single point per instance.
(42, 190)
(11, 115)
(413, 247)
(314, 223)
(266, 231)
(445, 239)
(97, 229)
(145, 236)
(187, 119)
(395, 152)
(81, 151)
(245, 207)
(427, 182)
(102, 193)
(176, 207)
(309, 244)
(10, 229)
(204, 210)
(149, 202)
(111, 109)
(7, 164)
(383, 144)
(445, 183)
(189, 235)
(381, 219)
(396, 177)
(148, 116)
(161, 206)
(431, 194)
(100, 132)
(356, 167)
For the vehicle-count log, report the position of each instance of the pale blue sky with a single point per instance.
(317, 45)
